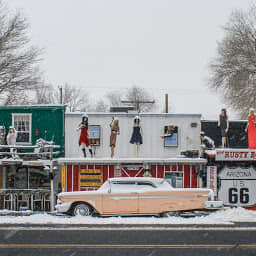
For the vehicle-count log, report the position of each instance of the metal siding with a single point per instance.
(69, 178)
(186, 175)
(153, 129)
(46, 118)
(194, 178)
(75, 178)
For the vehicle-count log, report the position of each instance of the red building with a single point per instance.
(90, 174)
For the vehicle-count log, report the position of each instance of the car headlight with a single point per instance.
(59, 201)
(211, 195)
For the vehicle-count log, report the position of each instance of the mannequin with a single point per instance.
(136, 138)
(115, 130)
(84, 141)
(11, 140)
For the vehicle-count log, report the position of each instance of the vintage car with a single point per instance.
(136, 196)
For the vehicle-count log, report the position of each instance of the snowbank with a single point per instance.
(221, 217)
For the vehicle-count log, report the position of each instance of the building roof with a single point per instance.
(175, 160)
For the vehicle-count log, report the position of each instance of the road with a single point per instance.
(122, 240)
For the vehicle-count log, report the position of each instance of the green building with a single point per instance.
(29, 181)
(35, 122)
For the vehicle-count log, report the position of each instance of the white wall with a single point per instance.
(153, 128)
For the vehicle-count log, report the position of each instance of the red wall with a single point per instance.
(190, 176)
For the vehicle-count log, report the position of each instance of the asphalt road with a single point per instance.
(71, 240)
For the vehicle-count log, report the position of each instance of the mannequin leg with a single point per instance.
(112, 151)
(223, 142)
(135, 149)
(90, 150)
(138, 149)
(83, 149)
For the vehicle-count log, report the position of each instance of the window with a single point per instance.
(170, 136)
(123, 186)
(94, 135)
(175, 179)
(22, 124)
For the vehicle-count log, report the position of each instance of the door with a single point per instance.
(121, 199)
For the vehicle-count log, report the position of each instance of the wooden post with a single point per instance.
(166, 103)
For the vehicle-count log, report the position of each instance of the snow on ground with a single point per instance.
(220, 217)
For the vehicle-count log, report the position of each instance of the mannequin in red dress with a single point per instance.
(84, 136)
(251, 129)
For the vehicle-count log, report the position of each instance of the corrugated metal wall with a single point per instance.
(153, 129)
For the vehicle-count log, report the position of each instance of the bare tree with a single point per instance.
(18, 59)
(233, 71)
(101, 106)
(75, 98)
(45, 94)
(139, 98)
(115, 98)
(136, 96)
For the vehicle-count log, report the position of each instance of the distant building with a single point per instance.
(25, 181)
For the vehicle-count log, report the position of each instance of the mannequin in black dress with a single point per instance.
(136, 138)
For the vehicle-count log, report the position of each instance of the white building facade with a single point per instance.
(156, 141)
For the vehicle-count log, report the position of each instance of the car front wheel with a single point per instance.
(82, 210)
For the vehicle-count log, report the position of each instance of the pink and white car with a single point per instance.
(136, 196)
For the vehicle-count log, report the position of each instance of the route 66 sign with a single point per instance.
(237, 186)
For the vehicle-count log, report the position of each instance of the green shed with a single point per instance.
(34, 122)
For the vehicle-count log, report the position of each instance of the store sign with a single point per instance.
(238, 186)
(212, 178)
(235, 155)
(90, 178)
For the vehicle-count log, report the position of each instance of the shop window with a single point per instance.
(170, 136)
(22, 124)
(175, 179)
(94, 135)
(24, 178)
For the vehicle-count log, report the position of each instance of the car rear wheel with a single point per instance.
(82, 210)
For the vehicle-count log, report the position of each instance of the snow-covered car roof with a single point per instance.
(133, 179)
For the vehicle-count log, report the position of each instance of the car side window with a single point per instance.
(123, 187)
(145, 186)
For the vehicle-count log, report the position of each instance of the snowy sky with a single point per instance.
(161, 45)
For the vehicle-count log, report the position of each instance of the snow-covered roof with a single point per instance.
(109, 160)
(149, 179)
(133, 114)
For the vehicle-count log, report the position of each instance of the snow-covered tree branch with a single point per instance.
(233, 71)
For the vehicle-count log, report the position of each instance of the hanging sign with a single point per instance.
(235, 155)
(212, 178)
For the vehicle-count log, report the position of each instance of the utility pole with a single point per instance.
(61, 94)
(166, 103)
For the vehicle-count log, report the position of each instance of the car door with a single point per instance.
(149, 197)
(122, 198)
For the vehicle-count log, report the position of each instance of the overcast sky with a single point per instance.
(164, 46)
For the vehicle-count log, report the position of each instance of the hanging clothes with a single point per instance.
(252, 132)
(84, 138)
(136, 135)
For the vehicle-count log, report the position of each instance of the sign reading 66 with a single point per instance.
(237, 186)
(236, 195)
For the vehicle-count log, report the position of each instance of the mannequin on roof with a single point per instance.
(115, 130)
(137, 134)
(84, 141)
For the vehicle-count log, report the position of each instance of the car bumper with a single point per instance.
(213, 204)
(62, 207)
